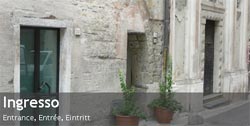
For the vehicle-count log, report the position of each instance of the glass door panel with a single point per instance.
(27, 60)
(48, 61)
(39, 69)
(48, 70)
(27, 50)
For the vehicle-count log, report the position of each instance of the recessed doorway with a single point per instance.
(209, 57)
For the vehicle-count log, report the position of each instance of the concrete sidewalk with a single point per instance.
(237, 114)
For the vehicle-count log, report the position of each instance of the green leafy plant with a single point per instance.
(128, 107)
(166, 99)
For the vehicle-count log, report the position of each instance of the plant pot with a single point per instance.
(126, 120)
(163, 115)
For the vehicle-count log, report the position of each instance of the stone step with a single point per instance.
(216, 103)
(211, 97)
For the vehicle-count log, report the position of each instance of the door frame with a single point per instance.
(218, 54)
(66, 29)
(66, 38)
(219, 42)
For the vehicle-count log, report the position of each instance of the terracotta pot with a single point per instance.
(127, 120)
(163, 115)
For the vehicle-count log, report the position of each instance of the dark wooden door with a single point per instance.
(209, 57)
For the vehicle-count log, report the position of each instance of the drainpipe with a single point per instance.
(165, 46)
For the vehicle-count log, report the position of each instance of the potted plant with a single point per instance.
(128, 114)
(165, 106)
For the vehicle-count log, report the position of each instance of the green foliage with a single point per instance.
(128, 107)
(166, 99)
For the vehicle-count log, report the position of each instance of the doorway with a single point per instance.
(39, 69)
(209, 57)
(131, 59)
(136, 60)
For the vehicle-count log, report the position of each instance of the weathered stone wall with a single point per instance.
(100, 51)
(179, 40)
(96, 55)
(7, 48)
(146, 54)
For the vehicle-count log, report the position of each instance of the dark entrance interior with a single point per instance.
(209, 57)
(129, 74)
(135, 59)
(131, 58)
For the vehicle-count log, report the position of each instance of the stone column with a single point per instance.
(186, 52)
(244, 35)
(193, 18)
(192, 40)
(230, 21)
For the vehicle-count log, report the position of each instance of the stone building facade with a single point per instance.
(208, 44)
